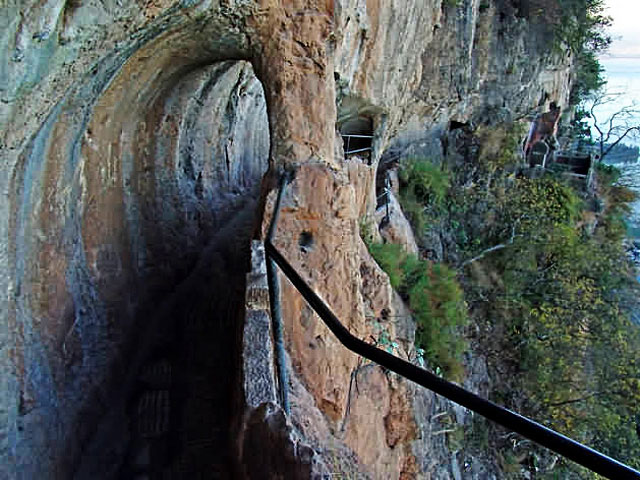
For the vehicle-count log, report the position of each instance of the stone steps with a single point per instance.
(182, 409)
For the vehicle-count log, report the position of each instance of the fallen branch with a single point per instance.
(500, 246)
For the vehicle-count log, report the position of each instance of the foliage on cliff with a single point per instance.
(544, 270)
(583, 29)
(549, 303)
(579, 27)
(424, 189)
(436, 301)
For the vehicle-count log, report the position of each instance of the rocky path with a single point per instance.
(207, 320)
(178, 411)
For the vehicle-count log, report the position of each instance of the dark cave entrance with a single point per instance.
(357, 136)
(171, 416)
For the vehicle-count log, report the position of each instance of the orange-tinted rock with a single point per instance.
(131, 134)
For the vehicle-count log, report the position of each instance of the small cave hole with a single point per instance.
(357, 136)
(305, 241)
(455, 125)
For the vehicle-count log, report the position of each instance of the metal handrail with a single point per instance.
(274, 301)
(581, 454)
(365, 149)
(349, 137)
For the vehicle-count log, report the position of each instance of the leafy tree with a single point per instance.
(589, 76)
(548, 302)
(581, 28)
(582, 25)
(560, 297)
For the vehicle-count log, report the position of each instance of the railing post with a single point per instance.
(274, 300)
(387, 188)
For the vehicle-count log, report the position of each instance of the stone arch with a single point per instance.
(113, 200)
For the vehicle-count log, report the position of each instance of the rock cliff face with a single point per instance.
(133, 132)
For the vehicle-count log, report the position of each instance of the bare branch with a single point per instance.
(621, 124)
(500, 246)
(627, 132)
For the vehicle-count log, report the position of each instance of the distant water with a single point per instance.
(623, 76)
(634, 221)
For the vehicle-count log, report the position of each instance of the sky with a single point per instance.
(622, 60)
(625, 30)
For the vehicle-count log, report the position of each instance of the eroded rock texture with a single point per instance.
(134, 134)
(113, 199)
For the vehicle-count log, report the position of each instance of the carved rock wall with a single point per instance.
(132, 131)
(112, 199)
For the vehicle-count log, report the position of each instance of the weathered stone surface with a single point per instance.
(112, 201)
(394, 226)
(131, 133)
(423, 63)
(271, 448)
(365, 303)
(258, 375)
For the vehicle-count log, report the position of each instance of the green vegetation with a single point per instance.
(543, 272)
(437, 303)
(582, 29)
(499, 146)
(589, 76)
(436, 300)
(544, 279)
(424, 186)
(578, 27)
(581, 25)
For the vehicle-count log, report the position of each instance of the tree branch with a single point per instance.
(611, 146)
(581, 399)
(617, 126)
(500, 246)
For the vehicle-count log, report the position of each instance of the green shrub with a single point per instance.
(540, 203)
(607, 174)
(436, 301)
(390, 257)
(557, 304)
(423, 190)
(425, 182)
(500, 145)
(548, 296)
(589, 77)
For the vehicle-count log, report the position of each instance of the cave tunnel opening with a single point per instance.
(200, 155)
(152, 176)
(357, 136)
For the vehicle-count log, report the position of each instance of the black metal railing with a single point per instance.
(274, 301)
(347, 146)
(581, 454)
